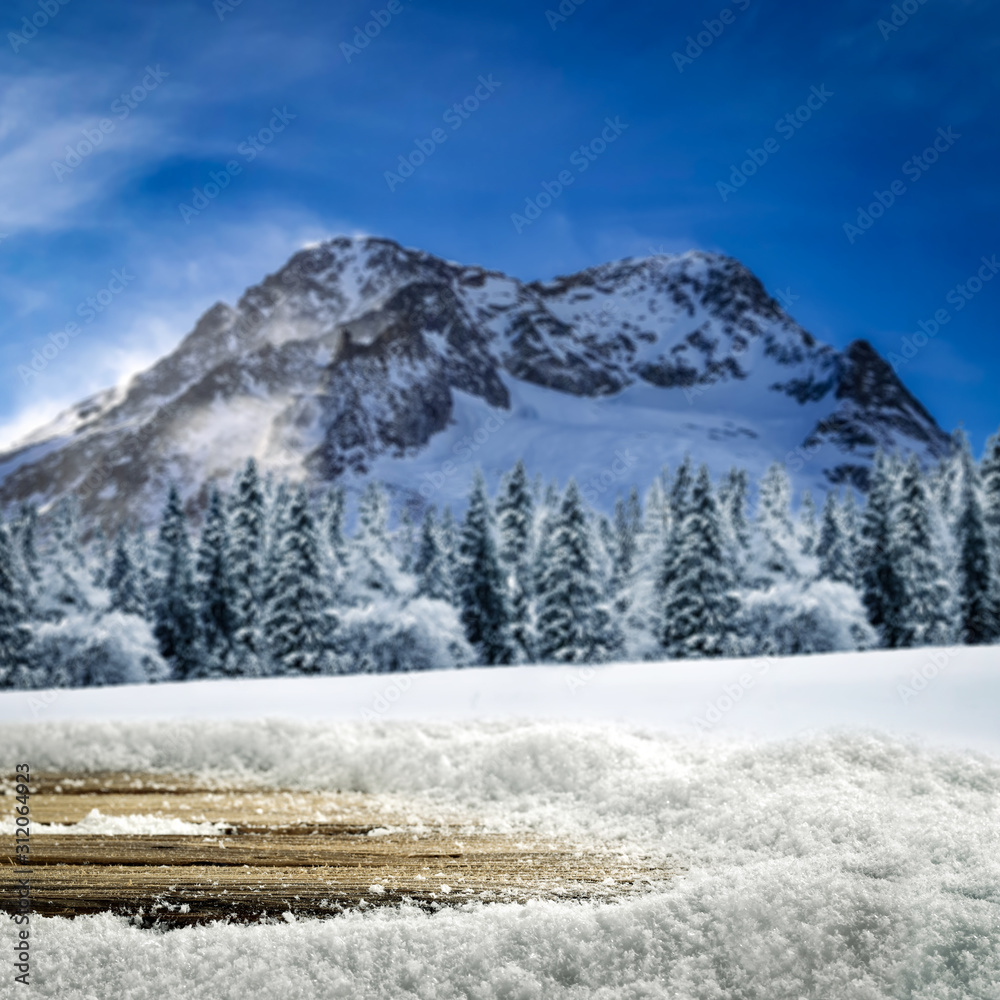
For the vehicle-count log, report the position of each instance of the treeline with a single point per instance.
(273, 583)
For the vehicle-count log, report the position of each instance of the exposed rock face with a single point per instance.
(360, 353)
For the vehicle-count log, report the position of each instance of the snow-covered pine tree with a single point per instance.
(977, 593)
(216, 592)
(332, 518)
(296, 621)
(570, 628)
(27, 564)
(836, 556)
(15, 631)
(925, 613)
(481, 589)
(448, 532)
(515, 524)
(808, 529)
(332, 541)
(177, 625)
(990, 475)
(125, 583)
(98, 558)
(777, 549)
(679, 494)
(66, 584)
(372, 567)
(699, 607)
(732, 502)
(881, 588)
(432, 566)
(405, 542)
(627, 527)
(515, 517)
(244, 558)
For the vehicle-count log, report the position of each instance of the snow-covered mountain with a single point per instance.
(360, 357)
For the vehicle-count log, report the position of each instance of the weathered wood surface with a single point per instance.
(277, 852)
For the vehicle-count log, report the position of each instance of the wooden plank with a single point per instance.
(305, 853)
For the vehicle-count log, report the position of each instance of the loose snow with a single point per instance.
(828, 864)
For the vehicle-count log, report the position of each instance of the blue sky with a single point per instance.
(205, 77)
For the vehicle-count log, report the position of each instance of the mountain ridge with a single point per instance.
(359, 356)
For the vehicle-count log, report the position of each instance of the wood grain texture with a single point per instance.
(274, 853)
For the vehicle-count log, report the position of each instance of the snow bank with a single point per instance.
(840, 866)
(829, 865)
(947, 696)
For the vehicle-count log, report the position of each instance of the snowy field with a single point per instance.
(840, 828)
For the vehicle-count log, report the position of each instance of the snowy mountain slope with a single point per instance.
(363, 357)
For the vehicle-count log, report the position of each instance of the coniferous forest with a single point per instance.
(273, 581)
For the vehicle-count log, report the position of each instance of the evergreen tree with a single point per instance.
(977, 593)
(732, 504)
(569, 627)
(990, 475)
(15, 631)
(218, 618)
(627, 528)
(99, 558)
(924, 611)
(26, 541)
(333, 542)
(66, 581)
(515, 522)
(177, 624)
(515, 517)
(244, 558)
(372, 566)
(332, 520)
(836, 558)
(480, 585)
(808, 533)
(432, 565)
(295, 619)
(679, 497)
(449, 541)
(775, 531)
(699, 609)
(405, 542)
(125, 583)
(881, 588)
